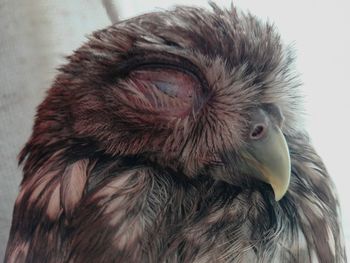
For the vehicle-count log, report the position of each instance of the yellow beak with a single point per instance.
(271, 159)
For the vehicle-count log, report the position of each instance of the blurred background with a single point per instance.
(36, 35)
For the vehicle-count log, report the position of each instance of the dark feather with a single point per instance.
(126, 165)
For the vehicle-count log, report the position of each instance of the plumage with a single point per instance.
(151, 146)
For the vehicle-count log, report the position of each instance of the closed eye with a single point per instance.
(171, 82)
(166, 87)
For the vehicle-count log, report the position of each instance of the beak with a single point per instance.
(270, 156)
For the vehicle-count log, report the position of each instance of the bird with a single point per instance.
(176, 136)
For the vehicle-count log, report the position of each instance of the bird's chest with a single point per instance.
(226, 228)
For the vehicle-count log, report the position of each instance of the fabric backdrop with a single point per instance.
(34, 38)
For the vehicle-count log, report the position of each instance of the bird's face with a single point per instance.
(192, 91)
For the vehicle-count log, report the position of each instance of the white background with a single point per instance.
(34, 36)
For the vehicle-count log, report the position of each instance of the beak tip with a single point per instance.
(279, 191)
(278, 197)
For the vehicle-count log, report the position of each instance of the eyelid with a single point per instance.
(164, 61)
(174, 83)
(166, 87)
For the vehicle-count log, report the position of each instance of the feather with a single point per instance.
(141, 150)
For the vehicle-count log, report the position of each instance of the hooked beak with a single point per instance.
(273, 160)
(269, 155)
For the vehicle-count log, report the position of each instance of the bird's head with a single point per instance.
(193, 90)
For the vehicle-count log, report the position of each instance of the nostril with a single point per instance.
(258, 131)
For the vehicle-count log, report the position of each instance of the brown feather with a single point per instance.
(136, 152)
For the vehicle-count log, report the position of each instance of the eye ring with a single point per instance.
(259, 130)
